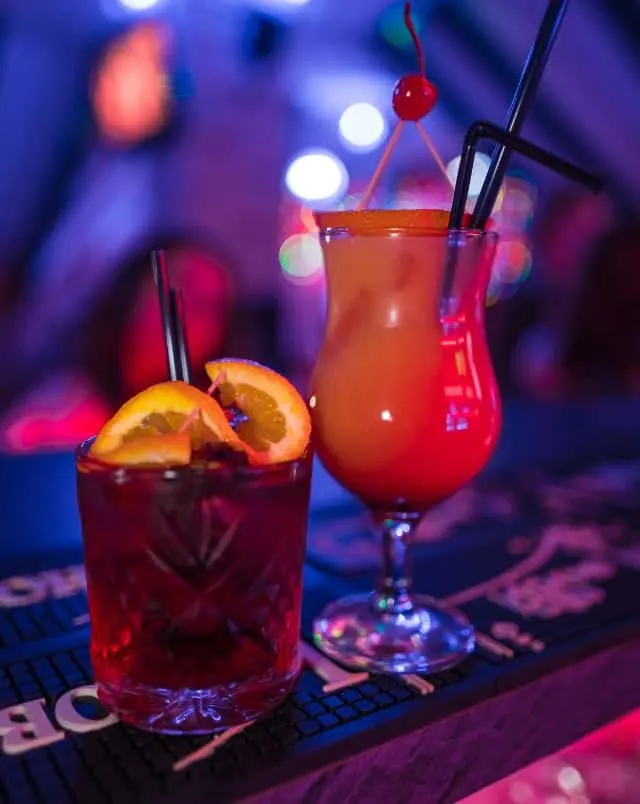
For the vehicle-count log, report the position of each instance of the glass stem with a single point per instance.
(393, 594)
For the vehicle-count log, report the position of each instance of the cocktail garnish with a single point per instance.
(194, 413)
(157, 416)
(262, 420)
(414, 96)
(276, 425)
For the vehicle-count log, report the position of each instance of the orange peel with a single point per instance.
(278, 425)
(167, 449)
(161, 410)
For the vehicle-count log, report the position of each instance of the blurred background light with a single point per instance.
(139, 5)
(301, 258)
(328, 92)
(277, 5)
(362, 126)
(307, 220)
(316, 176)
(520, 201)
(513, 262)
(130, 93)
(391, 29)
(481, 164)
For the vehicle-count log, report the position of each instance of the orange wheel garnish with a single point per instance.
(161, 410)
(168, 449)
(278, 425)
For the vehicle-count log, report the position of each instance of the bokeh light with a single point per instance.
(316, 176)
(56, 415)
(512, 262)
(512, 265)
(278, 5)
(497, 207)
(391, 27)
(362, 126)
(481, 164)
(307, 220)
(519, 202)
(138, 5)
(416, 191)
(410, 199)
(301, 258)
(130, 93)
(352, 200)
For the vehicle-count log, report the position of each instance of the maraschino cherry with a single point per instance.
(414, 96)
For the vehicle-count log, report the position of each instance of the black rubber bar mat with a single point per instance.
(542, 596)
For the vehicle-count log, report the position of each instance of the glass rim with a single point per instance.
(89, 465)
(382, 222)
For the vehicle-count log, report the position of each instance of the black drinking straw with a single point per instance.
(178, 325)
(488, 131)
(163, 285)
(522, 99)
(482, 130)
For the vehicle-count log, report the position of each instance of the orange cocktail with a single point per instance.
(405, 406)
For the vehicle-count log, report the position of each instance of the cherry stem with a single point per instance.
(422, 67)
(382, 164)
(434, 153)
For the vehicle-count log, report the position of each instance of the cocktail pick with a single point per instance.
(380, 167)
(222, 377)
(414, 96)
(434, 153)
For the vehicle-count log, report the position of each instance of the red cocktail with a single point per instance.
(194, 556)
(194, 578)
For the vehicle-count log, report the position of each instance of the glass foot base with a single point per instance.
(193, 711)
(427, 640)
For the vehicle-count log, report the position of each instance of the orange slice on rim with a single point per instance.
(162, 410)
(278, 425)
